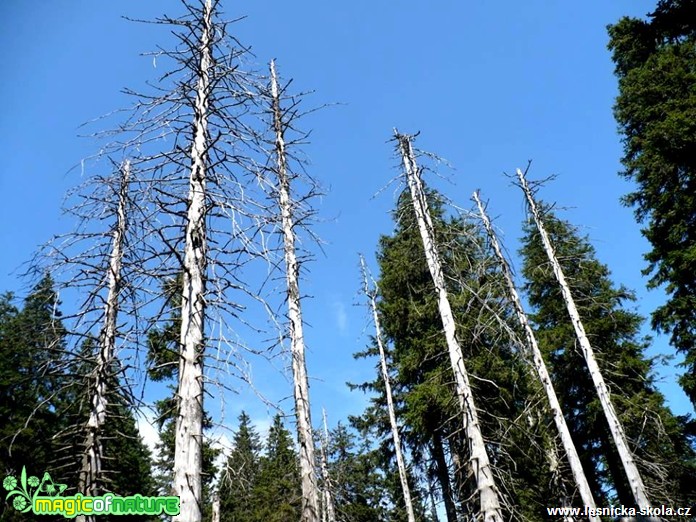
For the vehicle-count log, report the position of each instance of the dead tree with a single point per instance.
(540, 367)
(99, 268)
(328, 512)
(278, 180)
(479, 462)
(371, 294)
(191, 144)
(189, 423)
(215, 516)
(634, 478)
(194, 143)
(92, 456)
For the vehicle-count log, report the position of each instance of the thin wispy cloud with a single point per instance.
(341, 317)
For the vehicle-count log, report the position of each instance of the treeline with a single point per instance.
(482, 407)
(44, 399)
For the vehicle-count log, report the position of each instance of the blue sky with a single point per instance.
(489, 85)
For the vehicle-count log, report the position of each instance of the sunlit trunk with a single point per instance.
(189, 422)
(540, 367)
(310, 489)
(490, 505)
(617, 431)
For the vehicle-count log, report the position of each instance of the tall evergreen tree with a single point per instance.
(657, 437)
(278, 492)
(656, 110)
(239, 480)
(32, 351)
(44, 397)
(127, 463)
(359, 487)
(423, 385)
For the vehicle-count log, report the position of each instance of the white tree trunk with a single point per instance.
(617, 432)
(328, 512)
(540, 366)
(310, 489)
(215, 517)
(92, 457)
(490, 506)
(189, 423)
(388, 392)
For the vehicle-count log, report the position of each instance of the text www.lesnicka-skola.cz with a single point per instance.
(622, 511)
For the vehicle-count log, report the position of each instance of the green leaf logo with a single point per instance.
(23, 491)
(49, 487)
(17, 490)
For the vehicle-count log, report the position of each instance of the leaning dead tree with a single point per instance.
(328, 511)
(92, 455)
(278, 180)
(371, 294)
(97, 268)
(540, 367)
(634, 478)
(479, 463)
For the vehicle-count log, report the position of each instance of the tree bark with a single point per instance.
(371, 294)
(215, 517)
(328, 511)
(540, 367)
(443, 477)
(490, 505)
(189, 423)
(310, 489)
(635, 480)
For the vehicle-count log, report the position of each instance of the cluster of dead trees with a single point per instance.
(205, 184)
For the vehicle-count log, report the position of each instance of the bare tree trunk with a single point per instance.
(310, 490)
(216, 508)
(437, 451)
(433, 507)
(92, 456)
(328, 513)
(371, 295)
(490, 505)
(634, 478)
(540, 366)
(189, 423)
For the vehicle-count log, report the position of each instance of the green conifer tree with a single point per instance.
(657, 437)
(32, 354)
(423, 384)
(656, 110)
(239, 480)
(278, 490)
(360, 492)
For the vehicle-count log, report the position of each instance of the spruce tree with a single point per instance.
(127, 462)
(33, 346)
(239, 479)
(278, 491)
(44, 397)
(366, 486)
(657, 437)
(656, 109)
(423, 385)
(32, 355)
